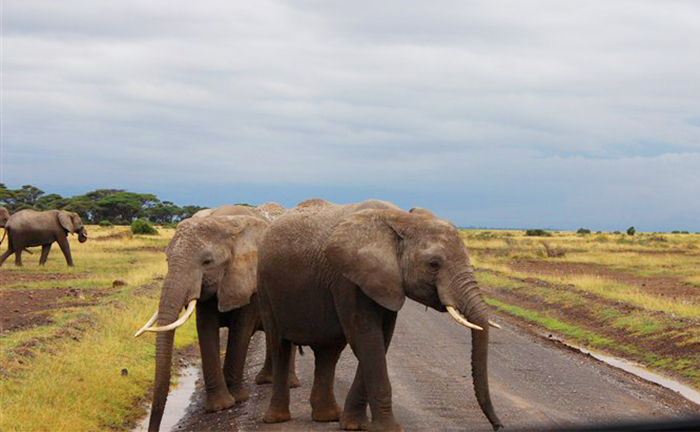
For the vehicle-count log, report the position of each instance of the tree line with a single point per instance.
(101, 206)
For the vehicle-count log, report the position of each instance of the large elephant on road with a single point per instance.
(330, 274)
(212, 266)
(28, 228)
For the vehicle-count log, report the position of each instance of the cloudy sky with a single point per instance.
(491, 113)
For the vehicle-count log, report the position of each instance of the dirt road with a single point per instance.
(534, 383)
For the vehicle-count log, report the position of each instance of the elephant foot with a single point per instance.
(219, 401)
(326, 412)
(354, 421)
(263, 377)
(294, 381)
(277, 416)
(240, 394)
(384, 426)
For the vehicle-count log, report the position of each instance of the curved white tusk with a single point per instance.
(493, 324)
(460, 319)
(179, 322)
(148, 324)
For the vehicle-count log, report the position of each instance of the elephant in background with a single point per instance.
(212, 266)
(28, 228)
(4, 216)
(329, 275)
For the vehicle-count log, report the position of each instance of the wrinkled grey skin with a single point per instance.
(330, 274)
(28, 228)
(267, 211)
(213, 258)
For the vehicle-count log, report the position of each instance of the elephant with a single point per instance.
(337, 274)
(212, 265)
(4, 216)
(267, 211)
(28, 228)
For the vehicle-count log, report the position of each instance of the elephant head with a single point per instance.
(392, 255)
(4, 216)
(207, 257)
(71, 222)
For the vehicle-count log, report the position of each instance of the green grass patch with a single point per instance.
(569, 330)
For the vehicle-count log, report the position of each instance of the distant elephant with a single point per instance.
(4, 216)
(335, 274)
(28, 228)
(212, 265)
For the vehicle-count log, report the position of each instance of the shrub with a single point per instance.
(537, 233)
(553, 252)
(616, 232)
(583, 231)
(631, 231)
(105, 223)
(143, 226)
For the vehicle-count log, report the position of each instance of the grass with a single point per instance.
(631, 296)
(67, 376)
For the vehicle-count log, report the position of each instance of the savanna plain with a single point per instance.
(68, 357)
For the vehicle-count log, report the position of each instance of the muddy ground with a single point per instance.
(22, 308)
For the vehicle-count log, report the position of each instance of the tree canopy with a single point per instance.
(116, 206)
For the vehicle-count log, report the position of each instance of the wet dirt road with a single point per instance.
(535, 384)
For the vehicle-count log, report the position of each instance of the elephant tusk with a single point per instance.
(460, 319)
(179, 322)
(495, 325)
(147, 325)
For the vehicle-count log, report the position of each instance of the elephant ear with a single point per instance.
(66, 221)
(240, 280)
(364, 249)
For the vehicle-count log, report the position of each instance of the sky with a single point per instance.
(522, 114)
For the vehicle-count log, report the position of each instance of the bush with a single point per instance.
(105, 223)
(143, 226)
(583, 231)
(537, 233)
(631, 231)
(553, 252)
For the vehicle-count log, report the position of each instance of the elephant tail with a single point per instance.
(3, 236)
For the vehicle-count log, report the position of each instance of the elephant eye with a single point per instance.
(434, 264)
(207, 261)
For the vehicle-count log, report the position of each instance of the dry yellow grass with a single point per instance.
(73, 381)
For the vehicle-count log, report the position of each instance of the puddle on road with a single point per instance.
(639, 370)
(177, 403)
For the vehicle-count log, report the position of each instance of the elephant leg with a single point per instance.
(18, 257)
(323, 404)
(45, 249)
(355, 411)
(218, 397)
(65, 248)
(239, 334)
(365, 322)
(294, 381)
(278, 411)
(5, 255)
(265, 374)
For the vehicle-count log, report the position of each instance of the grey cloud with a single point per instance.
(492, 101)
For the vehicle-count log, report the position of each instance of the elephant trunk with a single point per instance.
(82, 235)
(164, 351)
(464, 295)
(176, 292)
